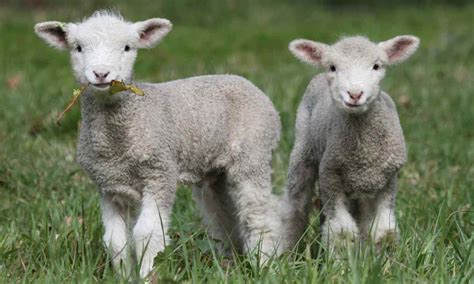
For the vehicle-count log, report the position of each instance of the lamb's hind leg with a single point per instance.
(217, 210)
(258, 213)
(302, 173)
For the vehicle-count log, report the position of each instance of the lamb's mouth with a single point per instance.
(351, 105)
(102, 85)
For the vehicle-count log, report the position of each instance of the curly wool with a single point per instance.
(215, 132)
(349, 138)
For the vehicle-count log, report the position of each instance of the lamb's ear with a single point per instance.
(152, 31)
(308, 51)
(53, 33)
(399, 48)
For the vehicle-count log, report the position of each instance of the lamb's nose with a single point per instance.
(355, 96)
(101, 75)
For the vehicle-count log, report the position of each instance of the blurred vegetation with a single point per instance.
(50, 227)
(231, 5)
(215, 11)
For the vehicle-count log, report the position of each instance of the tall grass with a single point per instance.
(50, 227)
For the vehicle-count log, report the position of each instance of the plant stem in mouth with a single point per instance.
(75, 96)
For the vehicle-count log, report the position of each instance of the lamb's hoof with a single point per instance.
(223, 249)
(227, 263)
(340, 243)
(389, 241)
(345, 238)
(152, 278)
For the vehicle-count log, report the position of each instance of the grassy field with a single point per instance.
(50, 229)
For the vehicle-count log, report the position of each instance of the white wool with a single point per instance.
(215, 132)
(349, 139)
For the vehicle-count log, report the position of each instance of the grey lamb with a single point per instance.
(348, 136)
(214, 132)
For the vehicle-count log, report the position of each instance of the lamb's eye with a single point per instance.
(127, 48)
(332, 68)
(79, 48)
(376, 67)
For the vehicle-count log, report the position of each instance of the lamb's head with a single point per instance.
(103, 47)
(355, 66)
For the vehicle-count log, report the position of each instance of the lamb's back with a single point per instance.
(203, 105)
(205, 120)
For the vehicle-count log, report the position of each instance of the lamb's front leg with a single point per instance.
(152, 223)
(384, 226)
(115, 219)
(338, 226)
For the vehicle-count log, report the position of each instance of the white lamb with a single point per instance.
(215, 132)
(349, 136)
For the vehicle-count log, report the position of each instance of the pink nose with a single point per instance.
(101, 75)
(355, 96)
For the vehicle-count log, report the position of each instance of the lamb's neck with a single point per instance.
(94, 105)
(373, 120)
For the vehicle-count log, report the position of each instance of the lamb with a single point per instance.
(214, 132)
(348, 136)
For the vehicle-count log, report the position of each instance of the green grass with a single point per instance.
(50, 229)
